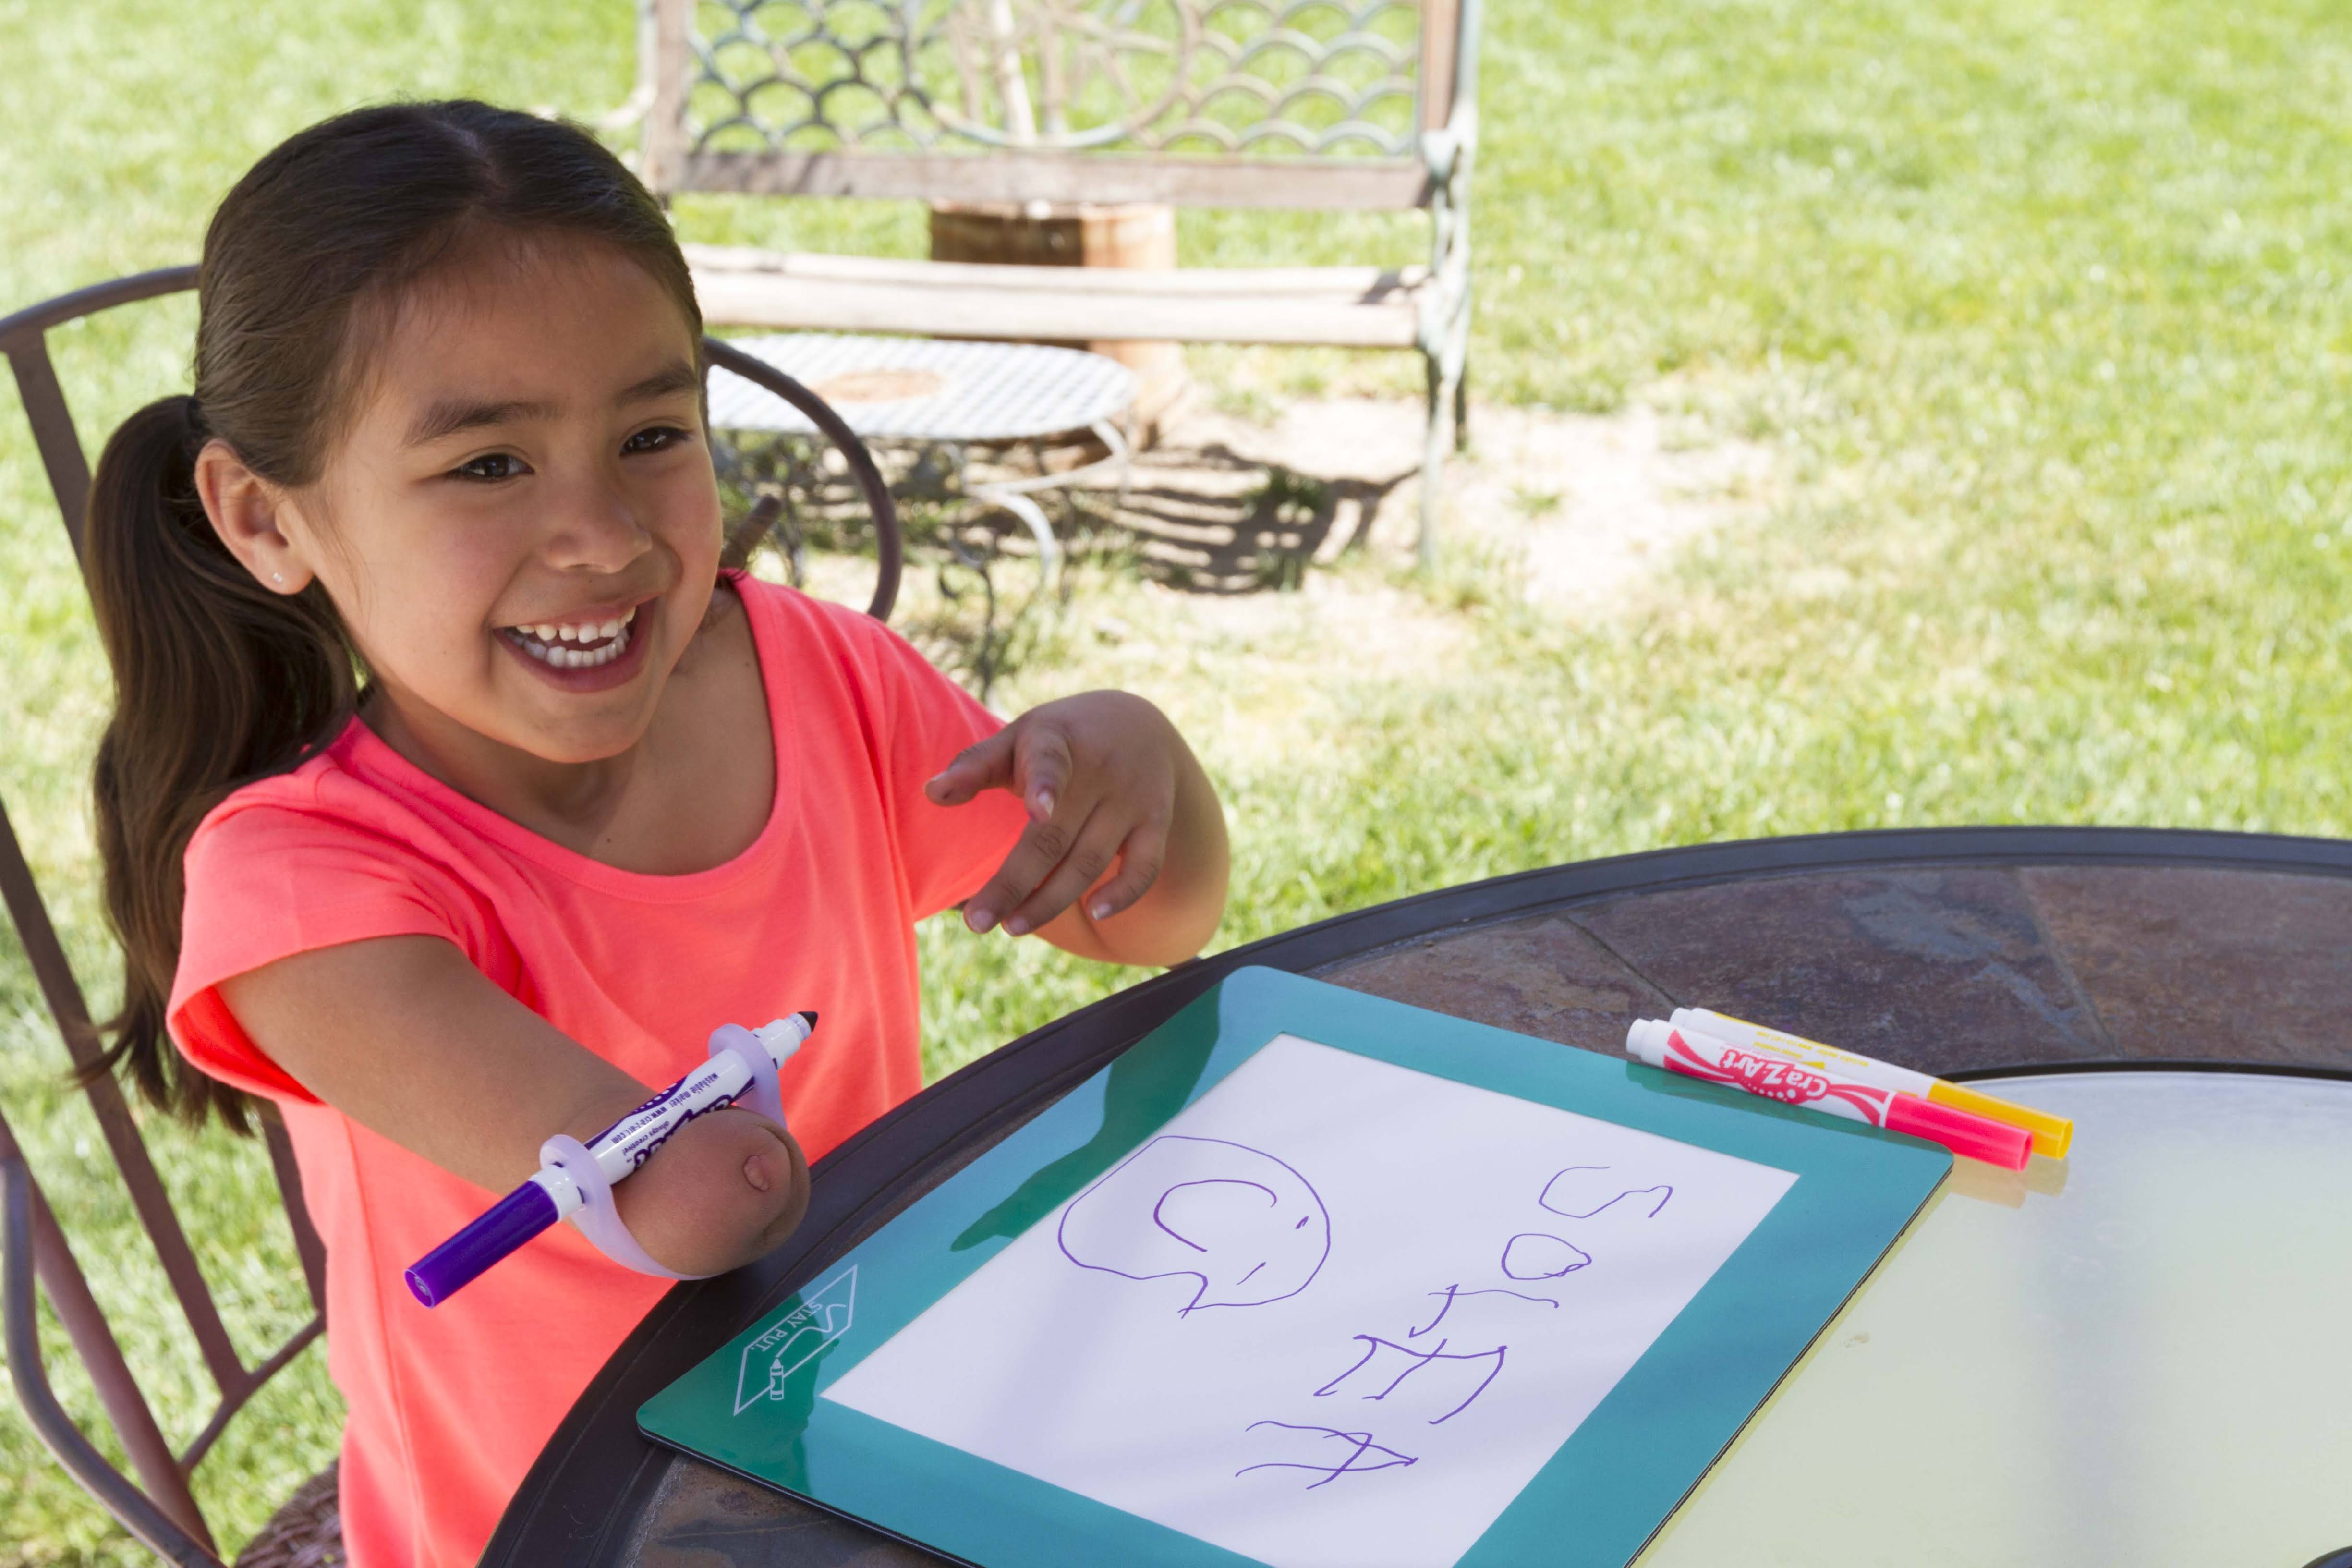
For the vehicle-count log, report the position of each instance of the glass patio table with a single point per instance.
(2138, 1356)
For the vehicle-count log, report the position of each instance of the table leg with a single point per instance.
(1049, 549)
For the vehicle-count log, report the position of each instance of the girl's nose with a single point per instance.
(597, 528)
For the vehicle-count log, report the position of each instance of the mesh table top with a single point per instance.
(926, 389)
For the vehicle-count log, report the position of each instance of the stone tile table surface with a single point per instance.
(2131, 1356)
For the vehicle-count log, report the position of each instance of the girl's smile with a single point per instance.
(585, 650)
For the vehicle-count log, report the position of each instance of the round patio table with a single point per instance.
(2137, 1355)
(950, 394)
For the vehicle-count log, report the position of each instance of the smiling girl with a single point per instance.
(454, 794)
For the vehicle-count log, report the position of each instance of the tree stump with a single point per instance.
(1039, 234)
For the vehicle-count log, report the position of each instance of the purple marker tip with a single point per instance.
(505, 1226)
(810, 1013)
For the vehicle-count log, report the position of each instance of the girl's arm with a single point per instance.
(1125, 857)
(409, 1039)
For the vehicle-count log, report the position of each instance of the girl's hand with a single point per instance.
(1123, 826)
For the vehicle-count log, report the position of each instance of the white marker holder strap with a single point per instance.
(763, 1095)
(597, 1218)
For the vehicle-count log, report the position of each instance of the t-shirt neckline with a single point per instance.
(364, 751)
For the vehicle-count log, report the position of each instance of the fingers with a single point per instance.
(1041, 848)
(1032, 760)
(1088, 859)
(1139, 867)
(986, 765)
(1041, 768)
(1097, 775)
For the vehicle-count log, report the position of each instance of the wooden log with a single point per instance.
(1123, 236)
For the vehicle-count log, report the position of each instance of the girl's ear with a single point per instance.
(250, 515)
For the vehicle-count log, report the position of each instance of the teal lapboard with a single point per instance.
(1309, 1278)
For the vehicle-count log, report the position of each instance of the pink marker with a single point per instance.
(1693, 1055)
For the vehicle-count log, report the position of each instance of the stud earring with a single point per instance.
(279, 578)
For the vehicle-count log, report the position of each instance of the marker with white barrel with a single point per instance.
(1695, 1054)
(2051, 1134)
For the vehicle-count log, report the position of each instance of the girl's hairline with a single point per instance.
(381, 309)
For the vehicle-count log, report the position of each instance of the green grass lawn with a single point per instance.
(2045, 311)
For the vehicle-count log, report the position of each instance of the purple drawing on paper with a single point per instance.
(1453, 1292)
(1532, 1254)
(1246, 1228)
(1359, 1447)
(1588, 1183)
(1407, 1362)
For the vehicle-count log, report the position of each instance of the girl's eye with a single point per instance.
(661, 437)
(493, 466)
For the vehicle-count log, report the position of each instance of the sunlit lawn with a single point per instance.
(2043, 309)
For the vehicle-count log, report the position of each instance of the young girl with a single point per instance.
(594, 797)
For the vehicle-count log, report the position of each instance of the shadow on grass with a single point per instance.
(1208, 519)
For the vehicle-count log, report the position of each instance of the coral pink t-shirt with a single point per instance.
(450, 1406)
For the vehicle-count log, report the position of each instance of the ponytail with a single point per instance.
(217, 681)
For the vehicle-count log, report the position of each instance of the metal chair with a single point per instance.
(159, 1509)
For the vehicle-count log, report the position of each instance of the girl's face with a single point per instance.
(520, 523)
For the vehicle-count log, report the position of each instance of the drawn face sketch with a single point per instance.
(1243, 1226)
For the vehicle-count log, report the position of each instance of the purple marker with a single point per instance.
(619, 1150)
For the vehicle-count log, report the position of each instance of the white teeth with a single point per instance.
(575, 658)
(545, 642)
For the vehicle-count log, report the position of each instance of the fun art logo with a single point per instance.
(795, 1339)
(1773, 1078)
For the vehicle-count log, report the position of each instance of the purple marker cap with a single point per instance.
(505, 1226)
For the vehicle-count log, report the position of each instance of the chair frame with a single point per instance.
(159, 1509)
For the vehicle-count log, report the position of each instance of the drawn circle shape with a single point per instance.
(1533, 1254)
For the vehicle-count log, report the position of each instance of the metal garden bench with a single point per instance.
(159, 1509)
(1363, 105)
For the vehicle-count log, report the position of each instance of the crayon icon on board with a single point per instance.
(823, 1315)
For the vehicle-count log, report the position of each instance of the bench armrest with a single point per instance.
(1449, 151)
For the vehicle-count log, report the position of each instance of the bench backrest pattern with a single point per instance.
(1296, 103)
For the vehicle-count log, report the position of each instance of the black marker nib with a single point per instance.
(809, 1013)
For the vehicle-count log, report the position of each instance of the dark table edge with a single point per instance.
(2153, 1064)
(597, 1454)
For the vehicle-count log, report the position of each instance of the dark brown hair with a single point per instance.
(216, 679)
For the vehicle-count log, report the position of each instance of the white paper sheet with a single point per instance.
(1335, 1315)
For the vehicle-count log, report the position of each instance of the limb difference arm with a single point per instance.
(409, 1039)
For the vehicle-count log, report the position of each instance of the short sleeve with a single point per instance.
(951, 851)
(269, 879)
(948, 852)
